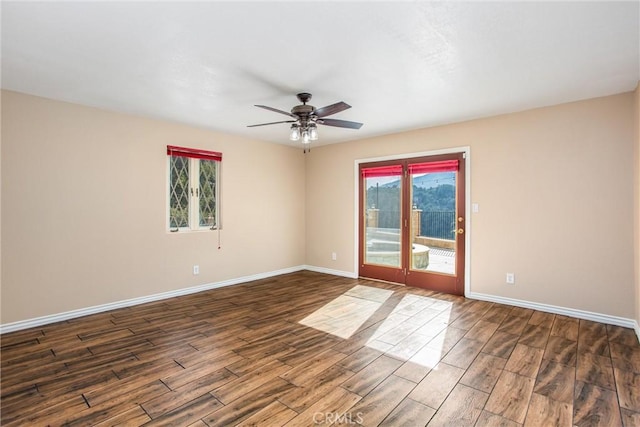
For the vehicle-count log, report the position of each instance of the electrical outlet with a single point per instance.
(334, 256)
(196, 270)
(511, 279)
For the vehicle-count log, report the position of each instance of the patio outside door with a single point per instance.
(412, 222)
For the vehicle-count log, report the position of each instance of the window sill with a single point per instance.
(190, 231)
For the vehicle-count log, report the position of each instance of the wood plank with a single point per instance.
(147, 369)
(248, 404)
(624, 357)
(556, 381)
(188, 413)
(400, 332)
(510, 397)
(487, 419)
(463, 353)
(409, 413)
(483, 372)
(409, 346)
(624, 336)
(300, 398)
(119, 403)
(513, 325)
(628, 387)
(368, 378)
(358, 360)
(412, 371)
(20, 337)
(240, 386)
(467, 320)
(309, 370)
(132, 417)
(592, 338)
(561, 350)
(194, 372)
(200, 357)
(48, 415)
(428, 357)
(169, 401)
(327, 409)
(437, 385)
(542, 319)
(630, 418)
(523, 313)
(595, 406)
(446, 339)
(462, 408)
(274, 414)
(535, 336)
(565, 327)
(375, 406)
(482, 331)
(594, 369)
(525, 361)
(80, 381)
(501, 344)
(545, 411)
(497, 313)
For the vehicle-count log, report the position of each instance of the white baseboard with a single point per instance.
(571, 312)
(59, 317)
(340, 273)
(44, 320)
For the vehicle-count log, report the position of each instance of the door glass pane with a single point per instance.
(433, 221)
(383, 219)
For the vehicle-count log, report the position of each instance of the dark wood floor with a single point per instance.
(310, 349)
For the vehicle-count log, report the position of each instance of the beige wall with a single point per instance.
(636, 199)
(84, 194)
(84, 208)
(0, 207)
(555, 191)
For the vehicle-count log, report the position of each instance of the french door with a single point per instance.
(412, 222)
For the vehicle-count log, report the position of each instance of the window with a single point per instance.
(193, 189)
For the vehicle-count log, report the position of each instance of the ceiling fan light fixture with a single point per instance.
(304, 119)
(295, 133)
(313, 132)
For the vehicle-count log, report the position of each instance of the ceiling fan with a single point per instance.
(307, 117)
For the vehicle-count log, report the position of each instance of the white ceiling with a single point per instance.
(401, 65)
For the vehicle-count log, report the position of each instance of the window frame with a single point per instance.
(194, 157)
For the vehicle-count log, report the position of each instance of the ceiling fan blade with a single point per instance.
(277, 111)
(272, 123)
(331, 109)
(340, 123)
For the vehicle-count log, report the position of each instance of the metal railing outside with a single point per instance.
(438, 224)
(435, 224)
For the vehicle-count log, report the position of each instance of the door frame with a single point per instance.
(466, 150)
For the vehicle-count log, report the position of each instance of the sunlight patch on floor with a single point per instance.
(347, 313)
(412, 329)
(415, 330)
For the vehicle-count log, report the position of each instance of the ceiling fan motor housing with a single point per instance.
(302, 110)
